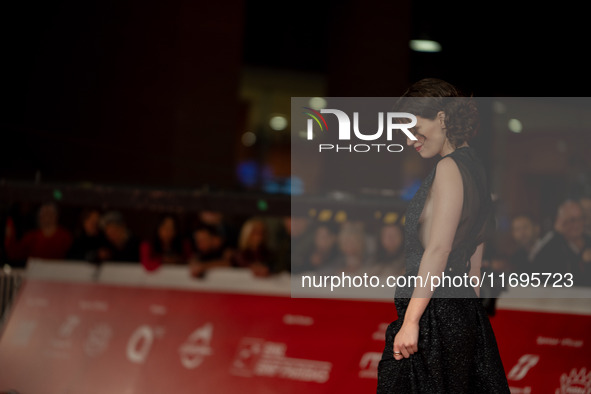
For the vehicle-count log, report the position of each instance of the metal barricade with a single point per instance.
(10, 283)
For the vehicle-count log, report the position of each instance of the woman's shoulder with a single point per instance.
(447, 168)
(448, 177)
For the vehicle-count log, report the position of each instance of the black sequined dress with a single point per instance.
(457, 348)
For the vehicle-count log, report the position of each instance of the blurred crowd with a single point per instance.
(297, 244)
(106, 237)
(261, 243)
(565, 248)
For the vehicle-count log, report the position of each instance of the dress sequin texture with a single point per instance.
(457, 348)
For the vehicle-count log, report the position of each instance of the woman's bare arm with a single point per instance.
(447, 199)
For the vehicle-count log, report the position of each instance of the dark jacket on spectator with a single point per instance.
(556, 255)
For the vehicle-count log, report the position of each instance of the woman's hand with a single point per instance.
(406, 340)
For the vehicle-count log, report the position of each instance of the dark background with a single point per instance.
(146, 93)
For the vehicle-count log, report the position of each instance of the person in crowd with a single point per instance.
(121, 244)
(325, 251)
(525, 232)
(20, 217)
(585, 202)
(24, 216)
(210, 250)
(352, 245)
(352, 257)
(296, 242)
(566, 249)
(48, 241)
(166, 247)
(389, 257)
(283, 262)
(89, 239)
(283, 249)
(225, 228)
(253, 251)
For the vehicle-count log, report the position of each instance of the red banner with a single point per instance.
(91, 338)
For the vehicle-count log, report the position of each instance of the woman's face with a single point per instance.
(257, 235)
(167, 230)
(91, 223)
(116, 233)
(324, 239)
(351, 244)
(430, 136)
(204, 240)
(391, 238)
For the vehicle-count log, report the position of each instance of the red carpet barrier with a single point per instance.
(545, 352)
(95, 338)
(88, 338)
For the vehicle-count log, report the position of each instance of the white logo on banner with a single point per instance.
(158, 309)
(140, 342)
(575, 382)
(257, 357)
(98, 339)
(298, 320)
(61, 345)
(369, 365)
(380, 333)
(524, 364)
(520, 390)
(67, 327)
(540, 340)
(197, 347)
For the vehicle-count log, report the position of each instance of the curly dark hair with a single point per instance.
(428, 96)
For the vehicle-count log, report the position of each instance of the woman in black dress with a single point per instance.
(442, 341)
